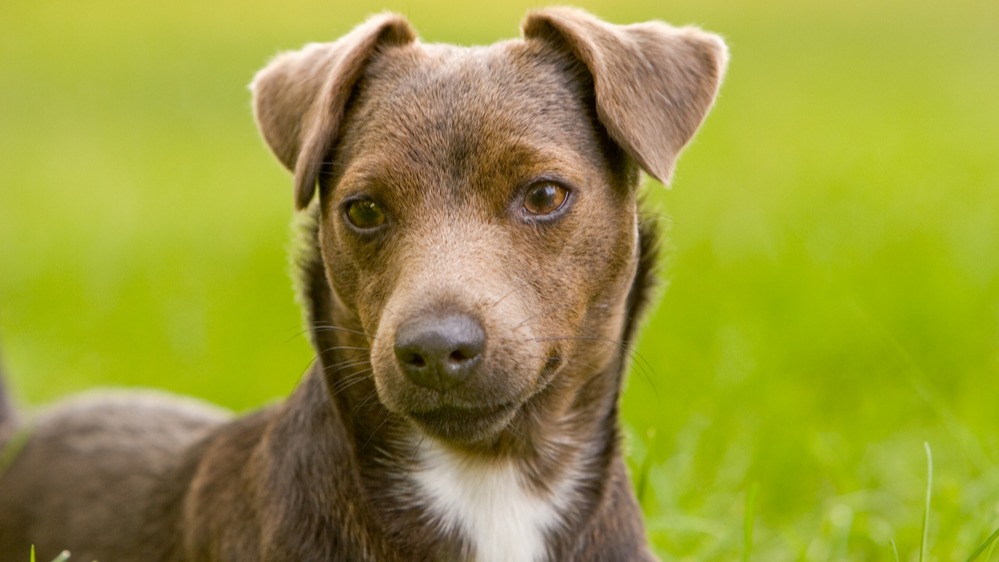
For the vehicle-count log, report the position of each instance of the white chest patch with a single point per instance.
(490, 504)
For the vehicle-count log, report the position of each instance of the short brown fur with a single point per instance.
(447, 141)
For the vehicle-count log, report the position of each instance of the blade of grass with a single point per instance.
(929, 491)
(748, 520)
(32, 553)
(894, 550)
(989, 543)
(63, 557)
(988, 555)
(917, 378)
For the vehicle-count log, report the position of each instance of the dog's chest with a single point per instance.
(490, 504)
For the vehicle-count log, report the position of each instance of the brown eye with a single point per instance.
(365, 214)
(545, 198)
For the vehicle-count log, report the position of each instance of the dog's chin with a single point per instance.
(465, 426)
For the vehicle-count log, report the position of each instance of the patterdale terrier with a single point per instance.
(473, 271)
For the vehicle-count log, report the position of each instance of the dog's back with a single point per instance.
(6, 424)
(92, 472)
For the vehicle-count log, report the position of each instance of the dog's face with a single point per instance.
(476, 226)
(478, 206)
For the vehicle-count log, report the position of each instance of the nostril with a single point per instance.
(460, 356)
(415, 360)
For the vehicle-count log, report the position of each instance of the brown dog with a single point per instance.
(474, 268)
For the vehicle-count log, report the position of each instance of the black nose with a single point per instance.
(439, 351)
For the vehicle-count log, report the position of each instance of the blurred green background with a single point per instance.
(832, 278)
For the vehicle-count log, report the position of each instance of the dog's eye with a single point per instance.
(545, 198)
(365, 214)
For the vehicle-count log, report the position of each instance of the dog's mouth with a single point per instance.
(463, 420)
(464, 425)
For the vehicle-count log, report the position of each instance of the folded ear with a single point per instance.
(653, 83)
(299, 99)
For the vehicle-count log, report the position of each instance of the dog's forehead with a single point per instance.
(436, 100)
(519, 77)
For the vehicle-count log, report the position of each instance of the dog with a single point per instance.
(473, 271)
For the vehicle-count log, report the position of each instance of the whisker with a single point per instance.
(307, 369)
(349, 381)
(373, 433)
(321, 327)
(345, 347)
(412, 460)
(332, 369)
(501, 299)
(364, 401)
(641, 364)
(516, 435)
(297, 334)
(528, 319)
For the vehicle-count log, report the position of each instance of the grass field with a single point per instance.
(831, 295)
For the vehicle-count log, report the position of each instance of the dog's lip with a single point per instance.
(464, 425)
(459, 414)
(445, 418)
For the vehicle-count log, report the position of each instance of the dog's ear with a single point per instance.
(299, 99)
(653, 83)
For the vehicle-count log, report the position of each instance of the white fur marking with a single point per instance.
(489, 504)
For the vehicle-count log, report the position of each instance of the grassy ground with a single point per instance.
(832, 294)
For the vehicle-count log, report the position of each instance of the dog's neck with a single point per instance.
(524, 497)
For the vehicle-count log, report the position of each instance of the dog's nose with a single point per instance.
(439, 352)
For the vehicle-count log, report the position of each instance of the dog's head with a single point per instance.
(478, 205)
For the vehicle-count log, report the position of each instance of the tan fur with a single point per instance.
(447, 141)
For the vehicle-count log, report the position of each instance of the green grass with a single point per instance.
(929, 495)
(987, 547)
(62, 557)
(832, 293)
